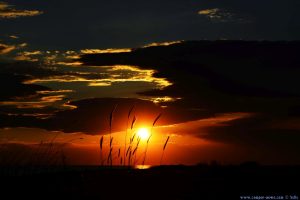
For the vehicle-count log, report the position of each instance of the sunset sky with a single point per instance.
(65, 65)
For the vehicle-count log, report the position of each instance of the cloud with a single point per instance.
(4, 48)
(15, 88)
(201, 87)
(14, 37)
(209, 12)
(260, 130)
(8, 11)
(25, 95)
(13, 75)
(40, 102)
(188, 65)
(7, 48)
(50, 58)
(28, 56)
(199, 127)
(90, 116)
(29, 99)
(156, 44)
(215, 77)
(74, 64)
(105, 77)
(23, 45)
(26, 70)
(30, 53)
(220, 15)
(96, 51)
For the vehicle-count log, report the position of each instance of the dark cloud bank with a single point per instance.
(212, 77)
(229, 76)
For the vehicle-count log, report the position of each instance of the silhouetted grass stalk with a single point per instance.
(109, 157)
(135, 150)
(153, 124)
(101, 150)
(110, 137)
(165, 145)
(129, 150)
(125, 145)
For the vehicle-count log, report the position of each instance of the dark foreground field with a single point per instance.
(169, 182)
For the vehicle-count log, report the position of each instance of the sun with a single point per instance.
(143, 133)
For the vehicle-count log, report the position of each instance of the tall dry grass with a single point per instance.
(130, 152)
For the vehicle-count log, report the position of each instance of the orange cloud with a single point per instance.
(8, 11)
(4, 48)
(198, 126)
(28, 56)
(155, 44)
(14, 37)
(116, 75)
(96, 51)
(209, 12)
(34, 103)
(7, 48)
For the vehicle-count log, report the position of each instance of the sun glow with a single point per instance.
(143, 133)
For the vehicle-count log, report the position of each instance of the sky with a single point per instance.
(65, 65)
(65, 25)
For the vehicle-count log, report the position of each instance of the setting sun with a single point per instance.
(143, 133)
